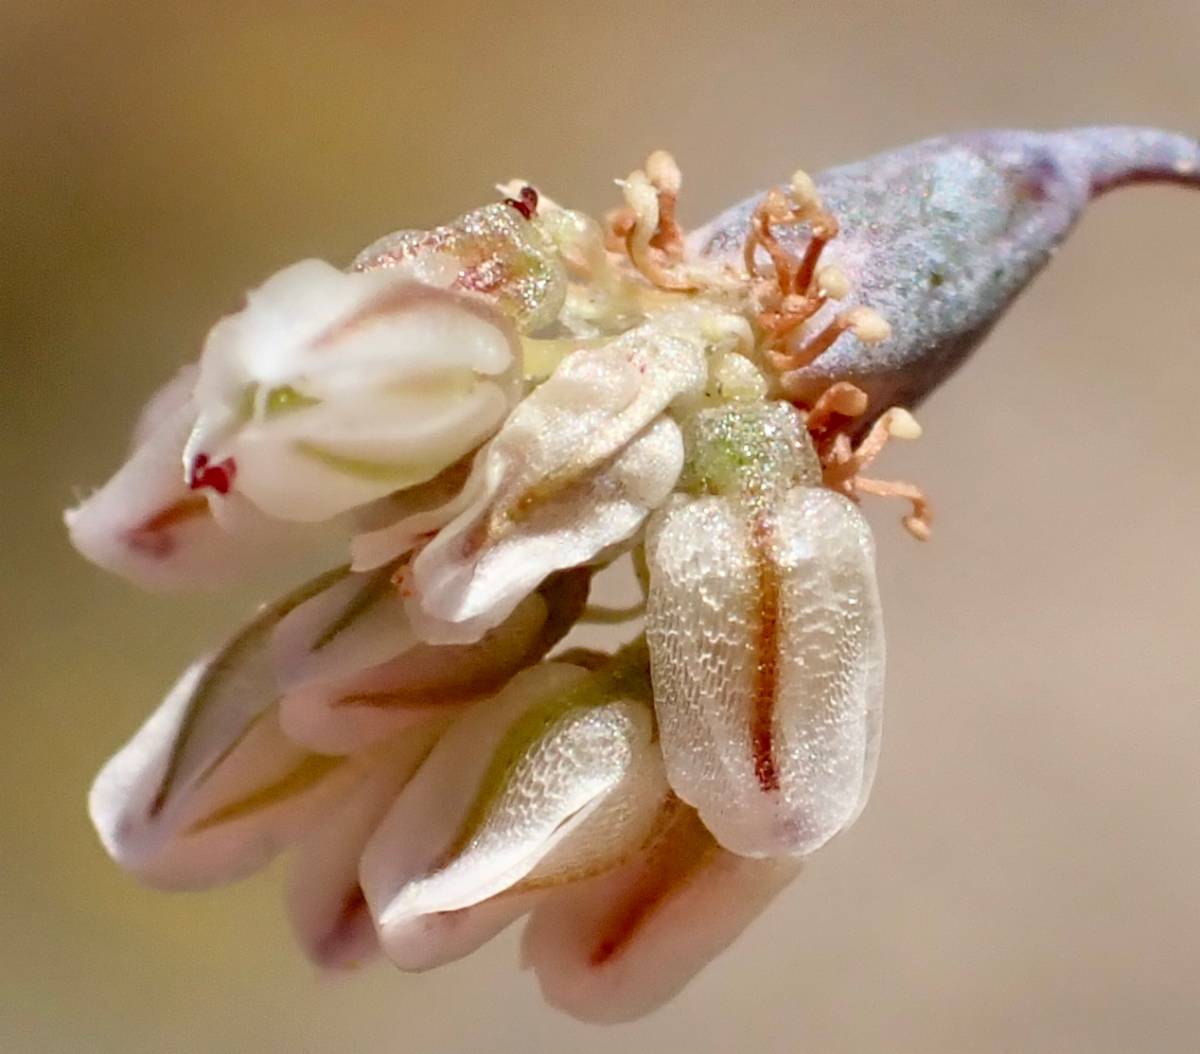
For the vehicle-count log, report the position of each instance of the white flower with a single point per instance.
(557, 778)
(330, 390)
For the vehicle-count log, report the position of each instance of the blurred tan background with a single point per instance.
(1026, 876)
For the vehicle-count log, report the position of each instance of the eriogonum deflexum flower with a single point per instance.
(484, 415)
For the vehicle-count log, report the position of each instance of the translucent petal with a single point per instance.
(507, 790)
(620, 945)
(481, 566)
(766, 645)
(574, 470)
(498, 254)
(209, 789)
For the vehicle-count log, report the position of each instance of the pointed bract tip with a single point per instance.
(1120, 156)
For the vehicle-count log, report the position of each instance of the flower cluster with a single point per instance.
(483, 416)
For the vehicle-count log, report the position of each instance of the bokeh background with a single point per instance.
(1025, 878)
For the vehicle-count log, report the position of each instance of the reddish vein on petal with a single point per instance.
(153, 535)
(667, 868)
(766, 667)
(350, 916)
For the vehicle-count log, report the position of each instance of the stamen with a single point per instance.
(645, 229)
(841, 399)
(804, 191)
(774, 209)
(824, 230)
(665, 177)
(917, 523)
(843, 466)
(833, 282)
(864, 322)
(792, 313)
(869, 325)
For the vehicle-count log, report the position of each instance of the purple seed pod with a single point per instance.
(941, 236)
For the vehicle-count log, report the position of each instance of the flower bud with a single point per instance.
(554, 780)
(621, 944)
(148, 526)
(351, 709)
(325, 902)
(210, 789)
(766, 642)
(356, 623)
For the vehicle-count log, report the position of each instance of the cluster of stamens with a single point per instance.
(782, 292)
(646, 230)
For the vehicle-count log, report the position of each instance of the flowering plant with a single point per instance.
(485, 415)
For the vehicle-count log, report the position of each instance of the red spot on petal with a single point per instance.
(526, 202)
(207, 475)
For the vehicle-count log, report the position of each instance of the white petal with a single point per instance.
(210, 788)
(356, 623)
(325, 903)
(229, 823)
(414, 514)
(479, 568)
(766, 644)
(573, 471)
(620, 945)
(346, 715)
(503, 794)
(320, 462)
(420, 829)
(164, 404)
